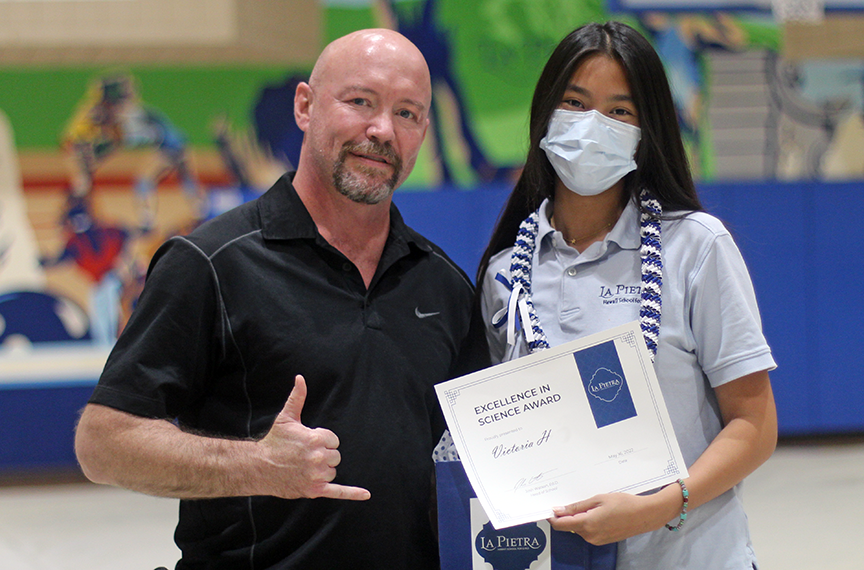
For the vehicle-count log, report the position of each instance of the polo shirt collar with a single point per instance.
(283, 214)
(625, 233)
(285, 217)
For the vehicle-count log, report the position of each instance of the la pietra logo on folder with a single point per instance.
(514, 548)
(605, 383)
(521, 547)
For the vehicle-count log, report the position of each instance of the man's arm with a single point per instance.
(158, 458)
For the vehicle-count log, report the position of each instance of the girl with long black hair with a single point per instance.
(604, 227)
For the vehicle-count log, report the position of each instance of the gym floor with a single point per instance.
(804, 505)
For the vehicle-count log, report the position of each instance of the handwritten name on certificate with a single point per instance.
(563, 425)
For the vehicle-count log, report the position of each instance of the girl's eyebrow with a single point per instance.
(585, 92)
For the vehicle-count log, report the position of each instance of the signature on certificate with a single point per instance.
(525, 481)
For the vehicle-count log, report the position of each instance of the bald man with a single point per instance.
(277, 374)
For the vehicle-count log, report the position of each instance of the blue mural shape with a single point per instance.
(38, 317)
(274, 120)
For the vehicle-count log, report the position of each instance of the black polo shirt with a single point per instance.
(232, 312)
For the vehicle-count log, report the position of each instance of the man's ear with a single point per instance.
(302, 105)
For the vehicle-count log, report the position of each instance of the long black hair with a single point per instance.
(661, 163)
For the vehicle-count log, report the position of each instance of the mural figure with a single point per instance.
(681, 42)
(28, 313)
(112, 117)
(820, 129)
(276, 130)
(100, 252)
(424, 31)
(251, 165)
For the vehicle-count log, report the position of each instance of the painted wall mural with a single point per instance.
(80, 219)
(98, 166)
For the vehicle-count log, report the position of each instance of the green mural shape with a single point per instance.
(40, 101)
(496, 50)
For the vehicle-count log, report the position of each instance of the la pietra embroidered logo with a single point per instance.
(618, 294)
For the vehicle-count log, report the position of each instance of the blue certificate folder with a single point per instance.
(456, 543)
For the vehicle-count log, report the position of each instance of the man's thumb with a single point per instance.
(294, 405)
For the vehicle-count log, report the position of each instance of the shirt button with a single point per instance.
(572, 271)
(347, 266)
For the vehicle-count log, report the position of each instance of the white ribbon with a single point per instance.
(515, 311)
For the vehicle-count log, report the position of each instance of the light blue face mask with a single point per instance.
(589, 151)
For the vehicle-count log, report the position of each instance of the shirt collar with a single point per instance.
(285, 217)
(625, 233)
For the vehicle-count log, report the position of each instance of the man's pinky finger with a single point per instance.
(345, 493)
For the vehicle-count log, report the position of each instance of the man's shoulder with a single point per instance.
(217, 232)
(248, 218)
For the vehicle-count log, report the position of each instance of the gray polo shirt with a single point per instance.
(710, 334)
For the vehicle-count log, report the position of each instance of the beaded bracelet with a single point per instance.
(683, 515)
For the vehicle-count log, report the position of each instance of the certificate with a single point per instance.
(563, 425)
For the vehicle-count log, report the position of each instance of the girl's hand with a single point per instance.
(612, 517)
